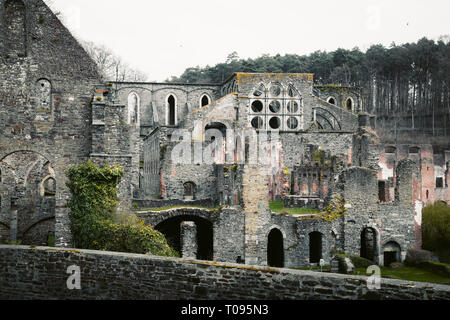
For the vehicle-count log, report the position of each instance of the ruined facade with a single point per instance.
(226, 149)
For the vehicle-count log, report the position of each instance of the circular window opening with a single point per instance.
(292, 107)
(275, 90)
(257, 122)
(292, 123)
(275, 123)
(257, 106)
(331, 101)
(275, 106)
(258, 92)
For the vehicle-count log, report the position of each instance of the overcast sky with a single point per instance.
(162, 38)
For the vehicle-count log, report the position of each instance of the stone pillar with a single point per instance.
(188, 238)
(256, 210)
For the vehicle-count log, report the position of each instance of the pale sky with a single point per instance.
(162, 38)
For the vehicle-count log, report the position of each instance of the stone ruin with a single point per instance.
(219, 152)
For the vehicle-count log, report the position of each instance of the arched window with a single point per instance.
(331, 100)
(171, 110)
(204, 100)
(15, 31)
(49, 187)
(133, 108)
(189, 191)
(349, 104)
(44, 96)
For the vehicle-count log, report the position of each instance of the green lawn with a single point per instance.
(404, 273)
(409, 273)
(277, 207)
(173, 207)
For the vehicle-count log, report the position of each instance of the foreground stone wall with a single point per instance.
(41, 273)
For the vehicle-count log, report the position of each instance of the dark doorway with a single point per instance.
(368, 244)
(382, 191)
(315, 247)
(389, 257)
(275, 250)
(171, 102)
(171, 230)
(391, 253)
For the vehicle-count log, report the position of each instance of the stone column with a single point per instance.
(188, 238)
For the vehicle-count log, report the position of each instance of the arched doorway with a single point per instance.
(315, 247)
(391, 253)
(171, 228)
(368, 244)
(275, 249)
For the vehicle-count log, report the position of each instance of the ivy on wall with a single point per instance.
(94, 217)
(335, 209)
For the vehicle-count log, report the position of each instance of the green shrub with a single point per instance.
(415, 256)
(95, 222)
(436, 227)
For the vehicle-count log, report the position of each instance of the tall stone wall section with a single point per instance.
(45, 93)
(41, 273)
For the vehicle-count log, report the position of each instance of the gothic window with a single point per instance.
(15, 31)
(49, 187)
(133, 108)
(349, 104)
(44, 92)
(204, 100)
(171, 111)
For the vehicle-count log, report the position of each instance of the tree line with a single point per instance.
(406, 86)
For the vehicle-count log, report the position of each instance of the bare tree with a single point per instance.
(110, 66)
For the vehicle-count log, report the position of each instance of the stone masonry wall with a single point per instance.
(41, 273)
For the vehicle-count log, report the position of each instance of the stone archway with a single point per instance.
(29, 212)
(391, 253)
(171, 228)
(275, 249)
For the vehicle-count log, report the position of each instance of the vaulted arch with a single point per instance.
(326, 120)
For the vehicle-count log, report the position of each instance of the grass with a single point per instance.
(278, 207)
(403, 273)
(409, 273)
(175, 207)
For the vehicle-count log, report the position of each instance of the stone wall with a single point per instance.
(45, 92)
(41, 273)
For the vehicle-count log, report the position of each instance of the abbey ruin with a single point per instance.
(216, 153)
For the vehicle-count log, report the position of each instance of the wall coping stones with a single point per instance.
(393, 288)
